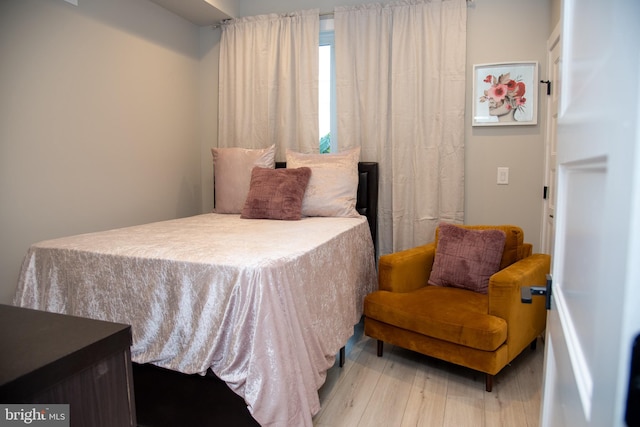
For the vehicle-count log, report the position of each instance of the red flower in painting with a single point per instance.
(519, 89)
(505, 93)
(498, 92)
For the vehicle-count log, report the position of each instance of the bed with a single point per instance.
(265, 305)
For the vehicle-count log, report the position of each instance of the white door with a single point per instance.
(551, 138)
(595, 313)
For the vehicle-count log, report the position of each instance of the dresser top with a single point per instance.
(40, 348)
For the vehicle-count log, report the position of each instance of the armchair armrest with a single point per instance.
(407, 270)
(524, 321)
(526, 250)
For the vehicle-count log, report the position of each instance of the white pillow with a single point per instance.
(333, 187)
(232, 174)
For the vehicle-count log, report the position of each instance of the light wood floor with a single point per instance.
(404, 388)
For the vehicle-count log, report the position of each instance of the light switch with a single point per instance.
(503, 175)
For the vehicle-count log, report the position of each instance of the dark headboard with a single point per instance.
(367, 201)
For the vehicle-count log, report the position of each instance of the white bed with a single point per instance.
(264, 304)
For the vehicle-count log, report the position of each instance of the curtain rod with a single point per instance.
(321, 15)
(327, 14)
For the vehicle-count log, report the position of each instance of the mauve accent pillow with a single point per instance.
(466, 258)
(232, 174)
(276, 193)
(333, 187)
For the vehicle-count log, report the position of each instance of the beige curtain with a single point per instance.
(269, 82)
(400, 89)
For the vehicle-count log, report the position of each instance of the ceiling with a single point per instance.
(199, 12)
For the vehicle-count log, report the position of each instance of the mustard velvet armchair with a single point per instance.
(483, 332)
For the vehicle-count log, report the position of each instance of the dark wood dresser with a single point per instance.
(49, 358)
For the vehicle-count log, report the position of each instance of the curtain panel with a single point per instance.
(268, 91)
(400, 88)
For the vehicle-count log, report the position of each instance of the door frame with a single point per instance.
(549, 179)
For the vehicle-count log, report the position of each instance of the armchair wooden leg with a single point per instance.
(488, 382)
(341, 361)
(380, 345)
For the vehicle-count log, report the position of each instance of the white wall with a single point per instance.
(99, 121)
(506, 31)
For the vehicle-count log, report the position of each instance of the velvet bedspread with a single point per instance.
(265, 304)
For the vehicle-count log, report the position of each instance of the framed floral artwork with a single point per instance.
(505, 94)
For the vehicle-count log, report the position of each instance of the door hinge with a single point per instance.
(527, 293)
(545, 192)
(548, 83)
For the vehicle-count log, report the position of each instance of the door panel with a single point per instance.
(594, 314)
(560, 384)
(582, 234)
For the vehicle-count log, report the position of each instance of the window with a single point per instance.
(327, 88)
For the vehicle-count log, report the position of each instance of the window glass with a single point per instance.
(326, 88)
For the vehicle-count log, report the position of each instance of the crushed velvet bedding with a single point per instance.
(265, 304)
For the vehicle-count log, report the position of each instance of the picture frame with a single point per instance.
(505, 94)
